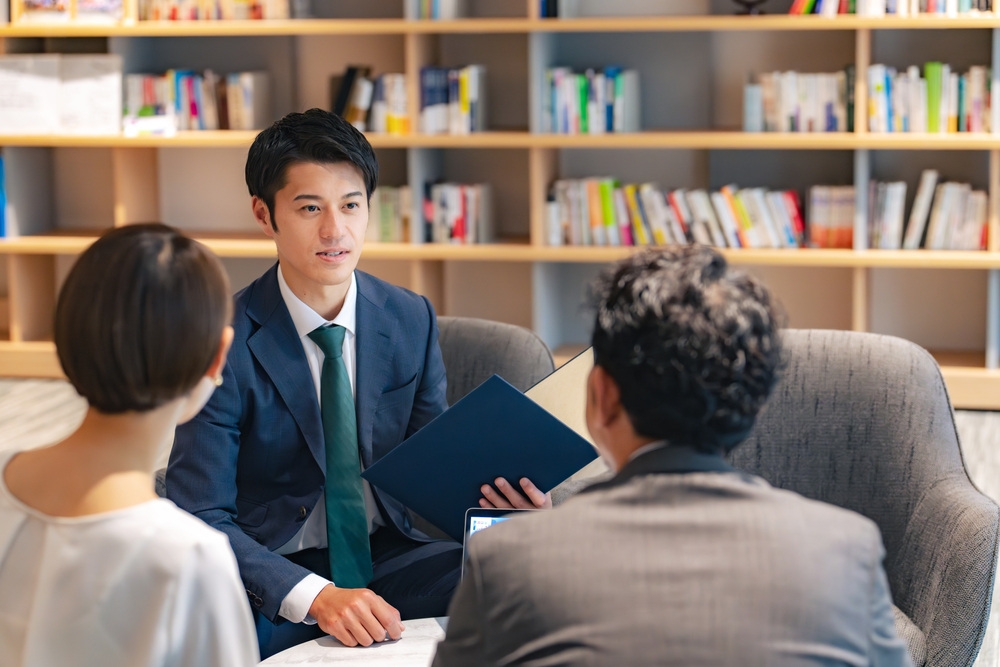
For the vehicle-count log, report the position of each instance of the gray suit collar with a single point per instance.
(671, 459)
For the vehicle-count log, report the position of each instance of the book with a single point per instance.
(493, 431)
(42, 11)
(921, 210)
(359, 102)
(341, 94)
(99, 11)
(458, 213)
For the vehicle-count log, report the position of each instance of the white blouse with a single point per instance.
(145, 586)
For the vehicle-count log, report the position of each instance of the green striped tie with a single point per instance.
(346, 519)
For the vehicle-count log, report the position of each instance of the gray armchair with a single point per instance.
(864, 422)
(473, 350)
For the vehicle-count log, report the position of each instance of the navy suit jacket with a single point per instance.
(252, 464)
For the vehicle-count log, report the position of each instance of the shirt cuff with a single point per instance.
(295, 606)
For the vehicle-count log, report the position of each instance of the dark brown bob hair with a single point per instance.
(140, 318)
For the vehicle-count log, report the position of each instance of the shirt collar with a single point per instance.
(646, 449)
(307, 320)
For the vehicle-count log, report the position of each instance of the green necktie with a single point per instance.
(346, 518)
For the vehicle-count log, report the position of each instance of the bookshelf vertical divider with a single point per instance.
(533, 9)
(32, 284)
(993, 319)
(860, 298)
(427, 278)
(135, 188)
(862, 59)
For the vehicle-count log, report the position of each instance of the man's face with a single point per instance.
(321, 215)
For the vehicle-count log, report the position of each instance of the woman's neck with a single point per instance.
(105, 465)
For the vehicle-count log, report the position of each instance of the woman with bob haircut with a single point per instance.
(95, 569)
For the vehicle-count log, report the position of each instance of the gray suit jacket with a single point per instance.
(680, 559)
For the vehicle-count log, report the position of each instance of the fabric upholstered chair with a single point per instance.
(864, 422)
(474, 350)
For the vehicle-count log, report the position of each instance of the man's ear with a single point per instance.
(262, 215)
(606, 396)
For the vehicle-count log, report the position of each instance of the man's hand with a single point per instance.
(355, 616)
(511, 498)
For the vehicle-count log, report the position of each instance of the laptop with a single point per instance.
(477, 519)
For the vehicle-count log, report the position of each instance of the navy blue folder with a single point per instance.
(494, 431)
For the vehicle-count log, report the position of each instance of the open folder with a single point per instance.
(494, 431)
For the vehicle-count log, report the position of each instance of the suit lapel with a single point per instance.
(277, 348)
(373, 351)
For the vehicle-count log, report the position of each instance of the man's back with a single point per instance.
(660, 567)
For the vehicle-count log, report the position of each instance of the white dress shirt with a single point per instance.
(312, 534)
(145, 585)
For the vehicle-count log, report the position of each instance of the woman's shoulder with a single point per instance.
(167, 525)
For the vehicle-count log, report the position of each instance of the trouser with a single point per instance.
(417, 578)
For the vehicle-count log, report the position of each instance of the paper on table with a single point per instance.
(414, 649)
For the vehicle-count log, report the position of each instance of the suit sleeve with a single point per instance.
(886, 648)
(201, 479)
(464, 644)
(430, 399)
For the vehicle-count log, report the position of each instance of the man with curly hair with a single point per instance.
(679, 559)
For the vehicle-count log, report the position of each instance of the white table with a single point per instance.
(414, 649)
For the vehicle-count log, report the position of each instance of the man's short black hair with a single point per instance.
(692, 345)
(140, 317)
(317, 136)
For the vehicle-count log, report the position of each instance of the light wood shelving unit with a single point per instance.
(546, 278)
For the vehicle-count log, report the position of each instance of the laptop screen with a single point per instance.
(477, 519)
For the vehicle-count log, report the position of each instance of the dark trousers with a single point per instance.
(416, 578)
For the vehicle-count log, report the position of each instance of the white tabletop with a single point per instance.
(414, 649)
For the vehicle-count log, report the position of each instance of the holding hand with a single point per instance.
(356, 616)
(509, 497)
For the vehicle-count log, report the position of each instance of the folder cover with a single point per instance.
(494, 431)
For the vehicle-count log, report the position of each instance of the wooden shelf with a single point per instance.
(778, 22)
(693, 139)
(253, 245)
(971, 387)
(35, 359)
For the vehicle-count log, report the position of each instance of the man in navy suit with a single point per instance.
(330, 369)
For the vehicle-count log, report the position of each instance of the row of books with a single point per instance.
(63, 11)
(213, 10)
(890, 7)
(60, 94)
(798, 102)
(441, 10)
(603, 212)
(594, 102)
(944, 216)
(111, 11)
(458, 213)
(389, 215)
(558, 9)
(187, 100)
(939, 101)
(453, 101)
(371, 104)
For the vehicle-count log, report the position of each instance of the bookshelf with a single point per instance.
(948, 301)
